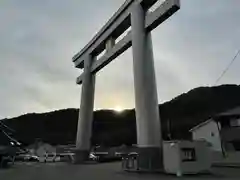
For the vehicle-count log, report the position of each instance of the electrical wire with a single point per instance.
(227, 68)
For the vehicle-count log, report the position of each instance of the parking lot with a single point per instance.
(106, 171)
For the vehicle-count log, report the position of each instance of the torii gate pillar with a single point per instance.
(84, 129)
(149, 138)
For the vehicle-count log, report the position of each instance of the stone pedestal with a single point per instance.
(80, 157)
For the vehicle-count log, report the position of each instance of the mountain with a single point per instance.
(112, 129)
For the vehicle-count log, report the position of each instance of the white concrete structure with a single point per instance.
(209, 131)
(132, 13)
(146, 100)
(86, 109)
(186, 157)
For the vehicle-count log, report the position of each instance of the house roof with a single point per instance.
(200, 125)
(233, 112)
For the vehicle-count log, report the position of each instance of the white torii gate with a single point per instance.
(134, 14)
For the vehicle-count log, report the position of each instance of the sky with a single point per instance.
(39, 38)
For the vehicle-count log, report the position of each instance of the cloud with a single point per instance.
(38, 40)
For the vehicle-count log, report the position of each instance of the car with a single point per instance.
(27, 157)
(93, 156)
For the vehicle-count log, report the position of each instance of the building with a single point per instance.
(42, 150)
(222, 131)
(209, 131)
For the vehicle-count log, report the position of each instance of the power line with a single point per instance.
(227, 68)
(2, 125)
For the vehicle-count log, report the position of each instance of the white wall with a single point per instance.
(173, 157)
(210, 133)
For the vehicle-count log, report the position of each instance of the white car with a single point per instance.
(93, 157)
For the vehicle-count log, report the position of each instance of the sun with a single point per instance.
(118, 109)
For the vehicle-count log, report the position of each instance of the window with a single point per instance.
(188, 154)
(234, 122)
(212, 134)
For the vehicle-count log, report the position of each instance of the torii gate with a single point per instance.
(134, 14)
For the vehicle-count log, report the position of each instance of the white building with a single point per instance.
(209, 131)
(222, 131)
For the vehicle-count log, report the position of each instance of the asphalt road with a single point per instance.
(104, 171)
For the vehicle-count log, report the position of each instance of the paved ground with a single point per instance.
(105, 171)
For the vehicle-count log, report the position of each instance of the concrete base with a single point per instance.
(150, 159)
(80, 157)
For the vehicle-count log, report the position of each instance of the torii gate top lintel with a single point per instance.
(117, 25)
